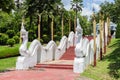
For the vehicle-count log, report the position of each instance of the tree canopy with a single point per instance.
(10, 22)
(7, 5)
(112, 9)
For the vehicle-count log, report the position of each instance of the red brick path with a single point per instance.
(69, 54)
(44, 73)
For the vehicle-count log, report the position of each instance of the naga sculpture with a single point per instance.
(24, 36)
(79, 32)
(29, 56)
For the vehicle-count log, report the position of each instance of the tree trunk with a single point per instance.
(41, 29)
(48, 27)
(31, 21)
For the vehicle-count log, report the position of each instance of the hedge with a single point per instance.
(11, 42)
(16, 38)
(3, 39)
(6, 51)
(10, 33)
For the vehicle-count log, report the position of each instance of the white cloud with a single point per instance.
(101, 1)
(67, 4)
(86, 12)
(67, 7)
(96, 6)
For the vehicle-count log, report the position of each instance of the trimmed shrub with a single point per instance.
(16, 38)
(10, 33)
(11, 42)
(7, 51)
(3, 39)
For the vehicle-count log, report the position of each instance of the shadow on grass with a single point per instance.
(114, 59)
(3, 71)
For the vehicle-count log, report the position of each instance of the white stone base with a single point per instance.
(20, 63)
(79, 65)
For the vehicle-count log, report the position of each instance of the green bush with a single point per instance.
(10, 33)
(5, 20)
(41, 40)
(18, 34)
(31, 35)
(45, 38)
(3, 29)
(6, 51)
(11, 42)
(118, 31)
(57, 38)
(16, 38)
(3, 39)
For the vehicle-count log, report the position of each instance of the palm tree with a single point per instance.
(76, 6)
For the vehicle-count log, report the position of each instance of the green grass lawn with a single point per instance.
(7, 63)
(9, 52)
(109, 67)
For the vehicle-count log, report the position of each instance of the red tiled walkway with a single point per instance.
(69, 54)
(44, 73)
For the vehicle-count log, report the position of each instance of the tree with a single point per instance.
(47, 9)
(40, 6)
(85, 24)
(118, 31)
(76, 6)
(113, 9)
(116, 9)
(7, 5)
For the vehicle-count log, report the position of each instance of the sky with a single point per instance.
(88, 5)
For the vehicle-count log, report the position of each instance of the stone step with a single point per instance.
(65, 62)
(54, 66)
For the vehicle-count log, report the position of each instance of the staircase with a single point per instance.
(69, 54)
(54, 66)
(65, 62)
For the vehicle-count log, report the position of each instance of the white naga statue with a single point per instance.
(78, 65)
(24, 36)
(79, 32)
